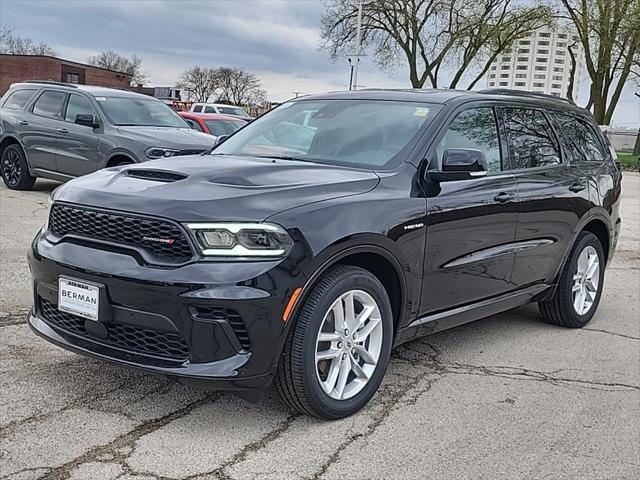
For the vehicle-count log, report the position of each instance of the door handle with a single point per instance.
(503, 197)
(63, 130)
(23, 122)
(577, 187)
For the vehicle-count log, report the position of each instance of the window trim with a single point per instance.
(64, 102)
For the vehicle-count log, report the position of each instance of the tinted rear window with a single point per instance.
(581, 139)
(18, 99)
(49, 104)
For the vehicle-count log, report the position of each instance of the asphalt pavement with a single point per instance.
(503, 398)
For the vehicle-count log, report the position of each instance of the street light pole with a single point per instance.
(358, 49)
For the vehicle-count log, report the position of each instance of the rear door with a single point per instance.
(77, 151)
(40, 129)
(552, 194)
(471, 223)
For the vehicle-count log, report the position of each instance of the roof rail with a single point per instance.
(523, 93)
(51, 82)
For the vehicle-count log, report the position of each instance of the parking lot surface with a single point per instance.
(504, 397)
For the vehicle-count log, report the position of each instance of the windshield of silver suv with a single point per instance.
(134, 111)
(331, 131)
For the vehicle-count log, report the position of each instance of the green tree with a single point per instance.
(609, 33)
(429, 34)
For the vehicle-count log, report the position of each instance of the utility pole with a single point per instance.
(636, 148)
(296, 93)
(358, 48)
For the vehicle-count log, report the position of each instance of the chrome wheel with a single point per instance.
(586, 280)
(11, 167)
(348, 345)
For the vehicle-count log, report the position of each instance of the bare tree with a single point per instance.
(114, 61)
(200, 83)
(12, 44)
(609, 32)
(239, 87)
(428, 34)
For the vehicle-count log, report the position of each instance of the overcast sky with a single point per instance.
(276, 39)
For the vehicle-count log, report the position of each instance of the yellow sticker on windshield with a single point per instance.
(421, 112)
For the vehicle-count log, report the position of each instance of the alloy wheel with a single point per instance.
(349, 344)
(586, 280)
(11, 167)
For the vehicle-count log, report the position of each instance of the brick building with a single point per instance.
(18, 68)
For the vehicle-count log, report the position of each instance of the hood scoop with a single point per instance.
(155, 175)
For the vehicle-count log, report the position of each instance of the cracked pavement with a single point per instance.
(505, 397)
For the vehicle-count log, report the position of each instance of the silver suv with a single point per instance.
(60, 131)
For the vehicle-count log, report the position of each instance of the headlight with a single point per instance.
(159, 152)
(241, 239)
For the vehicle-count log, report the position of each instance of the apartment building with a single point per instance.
(539, 63)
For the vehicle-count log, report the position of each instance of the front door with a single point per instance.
(471, 223)
(77, 150)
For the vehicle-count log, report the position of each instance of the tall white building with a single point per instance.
(538, 63)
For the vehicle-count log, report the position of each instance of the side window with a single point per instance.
(209, 110)
(581, 139)
(77, 105)
(532, 139)
(18, 99)
(193, 124)
(197, 108)
(475, 129)
(49, 104)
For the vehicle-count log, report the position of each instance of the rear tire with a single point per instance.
(331, 368)
(14, 169)
(579, 289)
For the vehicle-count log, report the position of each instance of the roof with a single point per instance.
(65, 61)
(90, 89)
(432, 95)
(210, 116)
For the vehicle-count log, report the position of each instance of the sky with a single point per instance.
(278, 40)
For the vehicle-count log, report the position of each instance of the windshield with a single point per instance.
(223, 127)
(366, 133)
(137, 111)
(233, 111)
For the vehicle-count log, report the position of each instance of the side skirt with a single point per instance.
(41, 172)
(438, 322)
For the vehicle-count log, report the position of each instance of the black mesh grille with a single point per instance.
(193, 151)
(126, 337)
(156, 175)
(163, 240)
(230, 316)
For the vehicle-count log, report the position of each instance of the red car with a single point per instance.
(212, 123)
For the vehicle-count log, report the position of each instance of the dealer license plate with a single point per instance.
(78, 298)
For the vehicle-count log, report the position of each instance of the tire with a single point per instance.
(564, 307)
(14, 169)
(300, 376)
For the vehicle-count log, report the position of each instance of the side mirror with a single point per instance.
(460, 164)
(87, 120)
(220, 139)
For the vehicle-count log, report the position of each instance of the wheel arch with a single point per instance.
(118, 157)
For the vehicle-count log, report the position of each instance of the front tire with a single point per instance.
(337, 352)
(579, 289)
(14, 169)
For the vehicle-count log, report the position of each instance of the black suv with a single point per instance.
(298, 253)
(60, 131)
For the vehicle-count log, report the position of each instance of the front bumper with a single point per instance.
(214, 320)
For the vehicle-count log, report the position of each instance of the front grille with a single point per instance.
(161, 239)
(130, 338)
(230, 316)
(157, 175)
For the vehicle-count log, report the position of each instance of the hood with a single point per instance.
(215, 187)
(168, 137)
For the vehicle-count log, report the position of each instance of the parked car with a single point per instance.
(300, 264)
(212, 123)
(60, 131)
(221, 109)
